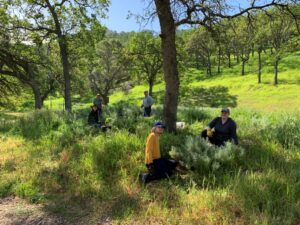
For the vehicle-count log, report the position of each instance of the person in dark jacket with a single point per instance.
(93, 118)
(221, 129)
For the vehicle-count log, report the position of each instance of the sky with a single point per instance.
(120, 9)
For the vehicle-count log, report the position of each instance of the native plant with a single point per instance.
(202, 157)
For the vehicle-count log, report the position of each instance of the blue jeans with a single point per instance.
(147, 111)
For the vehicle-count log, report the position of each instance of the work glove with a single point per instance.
(210, 132)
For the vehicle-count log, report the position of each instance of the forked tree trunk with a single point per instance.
(168, 33)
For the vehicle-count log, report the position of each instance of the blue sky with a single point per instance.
(119, 11)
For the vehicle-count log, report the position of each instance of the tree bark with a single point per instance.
(259, 66)
(208, 66)
(168, 34)
(66, 72)
(229, 59)
(37, 97)
(151, 83)
(276, 72)
(219, 60)
(62, 42)
(243, 67)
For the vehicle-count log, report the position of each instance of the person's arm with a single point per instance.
(151, 101)
(149, 150)
(213, 123)
(233, 135)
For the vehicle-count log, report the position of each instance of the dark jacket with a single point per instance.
(224, 132)
(93, 117)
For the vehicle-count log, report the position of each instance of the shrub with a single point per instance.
(5, 187)
(28, 191)
(191, 115)
(202, 156)
(287, 131)
(38, 123)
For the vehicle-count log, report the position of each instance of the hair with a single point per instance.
(153, 129)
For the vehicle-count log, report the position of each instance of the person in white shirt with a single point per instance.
(147, 103)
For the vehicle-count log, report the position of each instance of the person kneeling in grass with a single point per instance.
(158, 167)
(93, 119)
(221, 129)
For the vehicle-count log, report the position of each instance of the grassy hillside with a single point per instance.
(245, 89)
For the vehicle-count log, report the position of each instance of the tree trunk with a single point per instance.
(151, 82)
(38, 102)
(219, 60)
(229, 59)
(208, 69)
(66, 71)
(259, 66)
(168, 34)
(276, 71)
(62, 42)
(243, 67)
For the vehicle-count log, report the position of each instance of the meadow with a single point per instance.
(53, 158)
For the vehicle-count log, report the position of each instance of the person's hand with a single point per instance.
(210, 132)
(142, 106)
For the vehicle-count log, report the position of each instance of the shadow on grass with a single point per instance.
(217, 96)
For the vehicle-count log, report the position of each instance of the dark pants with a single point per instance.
(162, 168)
(147, 111)
(99, 112)
(214, 139)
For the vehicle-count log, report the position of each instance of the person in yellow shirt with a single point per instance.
(157, 166)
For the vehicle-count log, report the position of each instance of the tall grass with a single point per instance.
(58, 159)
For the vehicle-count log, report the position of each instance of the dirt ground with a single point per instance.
(16, 211)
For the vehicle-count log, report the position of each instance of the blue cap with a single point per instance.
(159, 124)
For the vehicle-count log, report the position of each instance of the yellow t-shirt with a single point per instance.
(152, 149)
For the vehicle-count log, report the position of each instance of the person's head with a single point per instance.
(158, 128)
(98, 96)
(225, 112)
(94, 107)
(146, 93)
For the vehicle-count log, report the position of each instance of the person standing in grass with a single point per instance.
(158, 167)
(221, 129)
(147, 103)
(97, 102)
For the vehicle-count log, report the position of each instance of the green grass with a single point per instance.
(68, 164)
(248, 93)
(54, 158)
